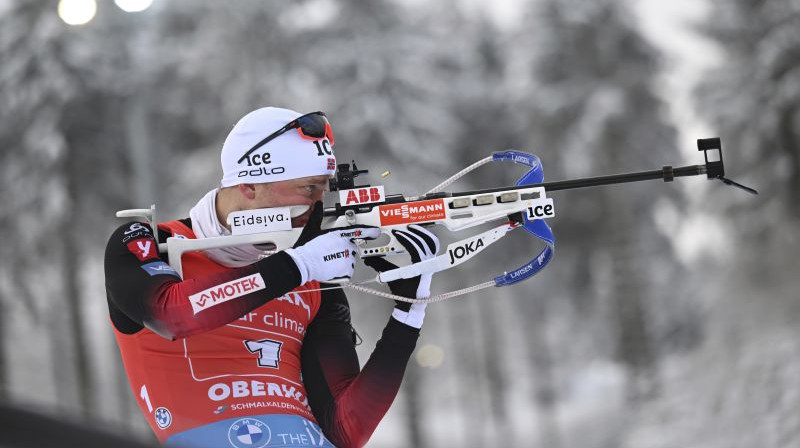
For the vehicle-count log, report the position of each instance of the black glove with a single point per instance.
(313, 228)
(421, 245)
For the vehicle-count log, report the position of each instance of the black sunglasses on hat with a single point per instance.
(311, 126)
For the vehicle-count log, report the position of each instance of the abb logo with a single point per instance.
(358, 196)
(226, 291)
(143, 248)
(421, 211)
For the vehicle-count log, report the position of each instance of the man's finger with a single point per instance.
(412, 244)
(360, 232)
(380, 264)
(315, 220)
(430, 239)
(312, 228)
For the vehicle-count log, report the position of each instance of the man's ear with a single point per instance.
(247, 190)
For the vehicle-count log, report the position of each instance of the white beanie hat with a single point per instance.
(288, 156)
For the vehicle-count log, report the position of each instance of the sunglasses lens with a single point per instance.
(313, 125)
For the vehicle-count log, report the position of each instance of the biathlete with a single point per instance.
(246, 350)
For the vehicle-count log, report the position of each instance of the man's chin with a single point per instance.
(302, 220)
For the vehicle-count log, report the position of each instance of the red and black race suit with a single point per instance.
(236, 342)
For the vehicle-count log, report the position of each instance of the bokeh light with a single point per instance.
(77, 12)
(430, 355)
(133, 5)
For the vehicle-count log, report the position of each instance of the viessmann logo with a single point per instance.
(421, 211)
(226, 291)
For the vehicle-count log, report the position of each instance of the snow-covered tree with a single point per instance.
(595, 110)
(39, 81)
(737, 388)
(753, 97)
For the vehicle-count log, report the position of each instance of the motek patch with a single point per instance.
(226, 291)
(246, 222)
(420, 211)
(143, 248)
(358, 196)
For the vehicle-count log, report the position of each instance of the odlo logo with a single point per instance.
(258, 161)
(262, 171)
(464, 250)
(342, 254)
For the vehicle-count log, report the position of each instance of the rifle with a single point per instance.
(523, 205)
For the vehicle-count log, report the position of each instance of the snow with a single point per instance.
(423, 89)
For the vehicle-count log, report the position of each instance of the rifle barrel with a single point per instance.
(667, 174)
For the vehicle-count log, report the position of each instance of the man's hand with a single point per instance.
(326, 255)
(421, 245)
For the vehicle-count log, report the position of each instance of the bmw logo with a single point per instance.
(163, 418)
(249, 433)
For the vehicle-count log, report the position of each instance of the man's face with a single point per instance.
(301, 191)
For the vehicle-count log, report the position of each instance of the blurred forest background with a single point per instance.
(668, 316)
